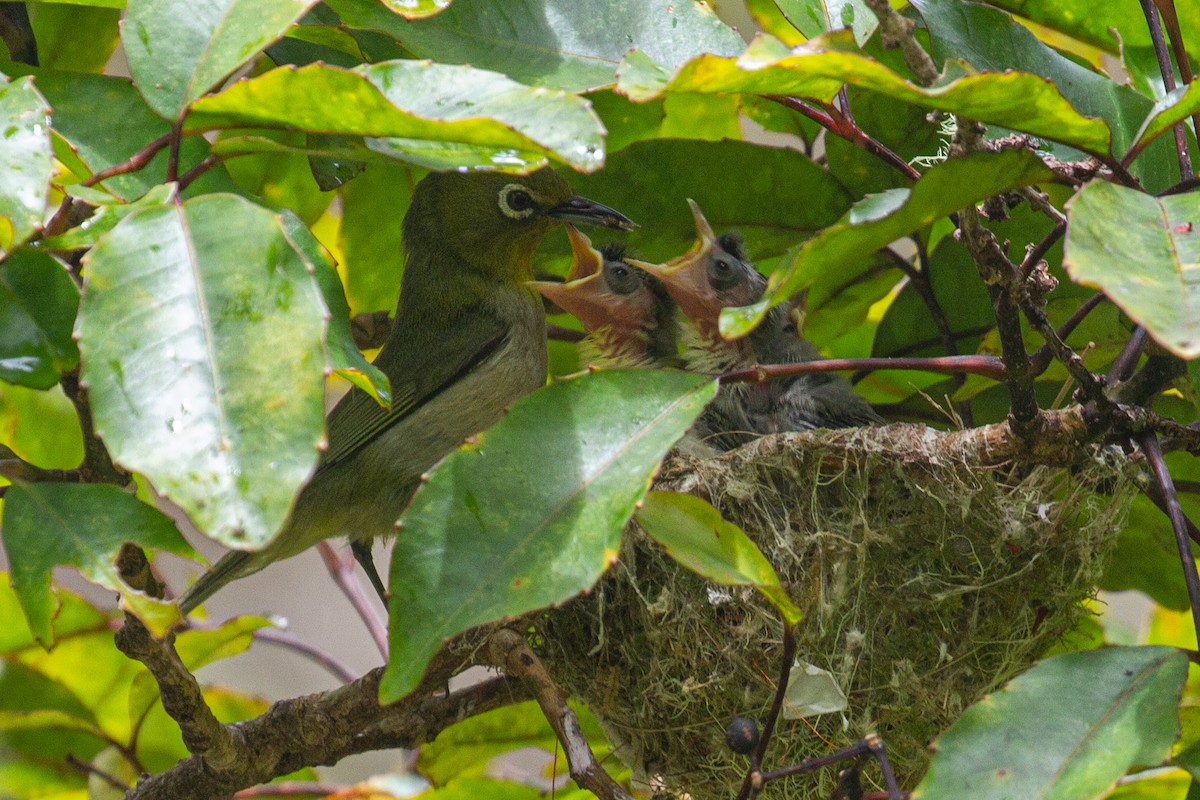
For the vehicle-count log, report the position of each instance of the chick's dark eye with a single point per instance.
(620, 271)
(722, 267)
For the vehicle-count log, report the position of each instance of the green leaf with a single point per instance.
(989, 39)
(819, 68)
(498, 531)
(1112, 26)
(41, 426)
(814, 17)
(1177, 106)
(415, 9)
(466, 749)
(844, 249)
(697, 536)
(38, 301)
(281, 177)
(197, 320)
(1066, 729)
(426, 113)
(173, 62)
(373, 254)
(1111, 228)
(344, 355)
(106, 218)
(774, 196)
(103, 121)
(560, 44)
(81, 525)
(72, 37)
(25, 161)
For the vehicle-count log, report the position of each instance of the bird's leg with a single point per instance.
(365, 558)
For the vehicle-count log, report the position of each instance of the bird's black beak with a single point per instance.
(581, 211)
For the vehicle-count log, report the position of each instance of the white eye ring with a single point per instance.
(516, 201)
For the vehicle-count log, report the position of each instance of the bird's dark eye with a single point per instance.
(516, 202)
(620, 278)
(721, 273)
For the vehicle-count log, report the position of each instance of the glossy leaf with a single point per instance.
(373, 254)
(415, 9)
(1112, 228)
(1110, 25)
(103, 121)
(774, 197)
(498, 532)
(560, 44)
(81, 525)
(817, 69)
(1066, 729)
(179, 50)
(41, 426)
(466, 749)
(1175, 107)
(814, 17)
(436, 111)
(844, 248)
(25, 161)
(698, 537)
(197, 319)
(989, 39)
(106, 218)
(344, 356)
(72, 37)
(38, 301)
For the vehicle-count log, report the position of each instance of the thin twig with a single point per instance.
(897, 31)
(137, 161)
(833, 121)
(97, 465)
(88, 768)
(921, 285)
(1123, 364)
(195, 172)
(1168, 77)
(754, 779)
(289, 789)
(1150, 446)
(508, 650)
(176, 137)
(987, 366)
(342, 570)
(319, 656)
(1042, 357)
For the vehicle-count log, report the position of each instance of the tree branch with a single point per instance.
(508, 650)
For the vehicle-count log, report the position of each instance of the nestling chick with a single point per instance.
(715, 274)
(629, 318)
(469, 339)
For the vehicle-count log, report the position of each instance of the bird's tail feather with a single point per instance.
(232, 565)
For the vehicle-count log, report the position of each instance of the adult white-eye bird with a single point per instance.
(629, 317)
(469, 338)
(715, 274)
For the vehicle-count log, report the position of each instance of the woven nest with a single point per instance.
(927, 576)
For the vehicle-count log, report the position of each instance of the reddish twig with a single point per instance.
(987, 366)
(1179, 522)
(342, 570)
(834, 121)
(1041, 359)
(315, 654)
(1168, 76)
(137, 161)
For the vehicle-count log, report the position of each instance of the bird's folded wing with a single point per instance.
(419, 371)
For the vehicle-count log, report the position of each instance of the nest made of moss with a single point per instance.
(928, 573)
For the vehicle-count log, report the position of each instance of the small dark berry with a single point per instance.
(742, 735)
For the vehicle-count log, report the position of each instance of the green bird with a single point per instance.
(715, 274)
(469, 338)
(629, 317)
